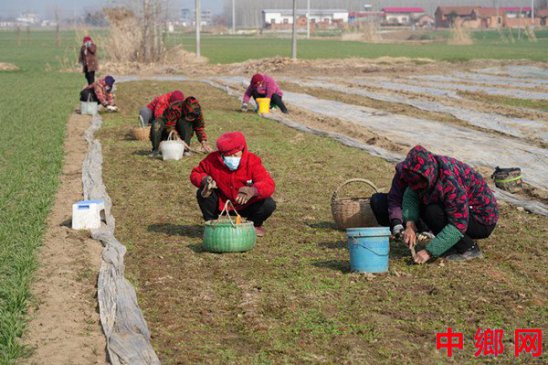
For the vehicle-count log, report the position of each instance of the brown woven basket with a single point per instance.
(140, 133)
(353, 212)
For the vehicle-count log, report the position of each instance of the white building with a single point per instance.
(28, 18)
(285, 16)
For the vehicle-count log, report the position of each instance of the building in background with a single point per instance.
(479, 17)
(401, 16)
(278, 19)
(28, 18)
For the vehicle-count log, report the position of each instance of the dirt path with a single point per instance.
(64, 327)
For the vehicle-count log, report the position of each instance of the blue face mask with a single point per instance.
(232, 162)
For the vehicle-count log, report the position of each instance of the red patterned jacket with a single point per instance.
(443, 180)
(176, 111)
(159, 104)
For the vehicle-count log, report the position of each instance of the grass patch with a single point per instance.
(506, 100)
(228, 49)
(292, 298)
(34, 107)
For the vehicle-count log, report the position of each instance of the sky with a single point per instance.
(9, 8)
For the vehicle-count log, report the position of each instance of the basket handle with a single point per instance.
(225, 211)
(174, 136)
(336, 192)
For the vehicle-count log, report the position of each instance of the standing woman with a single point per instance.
(88, 59)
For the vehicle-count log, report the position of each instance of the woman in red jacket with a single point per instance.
(155, 109)
(233, 173)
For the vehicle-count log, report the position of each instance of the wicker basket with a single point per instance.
(225, 235)
(353, 212)
(140, 133)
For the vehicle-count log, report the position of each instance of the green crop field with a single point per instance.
(34, 107)
(488, 45)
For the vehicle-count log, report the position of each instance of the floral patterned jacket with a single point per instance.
(457, 187)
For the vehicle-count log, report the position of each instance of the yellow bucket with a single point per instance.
(264, 105)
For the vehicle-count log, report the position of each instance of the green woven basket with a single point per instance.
(224, 235)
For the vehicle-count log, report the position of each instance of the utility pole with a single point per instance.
(294, 33)
(533, 12)
(308, 19)
(233, 17)
(198, 20)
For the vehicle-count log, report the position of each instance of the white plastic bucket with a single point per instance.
(89, 107)
(173, 148)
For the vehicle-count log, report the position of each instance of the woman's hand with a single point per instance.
(205, 147)
(410, 234)
(422, 256)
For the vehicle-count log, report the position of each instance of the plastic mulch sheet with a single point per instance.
(127, 334)
(474, 147)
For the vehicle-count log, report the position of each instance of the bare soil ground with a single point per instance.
(64, 323)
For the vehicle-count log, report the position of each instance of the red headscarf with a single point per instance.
(257, 79)
(87, 39)
(177, 95)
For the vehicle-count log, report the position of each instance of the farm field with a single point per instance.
(33, 119)
(292, 299)
(227, 49)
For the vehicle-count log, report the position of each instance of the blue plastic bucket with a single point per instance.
(369, 249)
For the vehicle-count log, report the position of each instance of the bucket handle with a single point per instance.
(225, 212)
(367, 248)
(336, 192)
(173, 136)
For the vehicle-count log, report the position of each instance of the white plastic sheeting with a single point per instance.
(127, 335)
(420, 86)
(474, 147)
(517, 71)
(492, 80)
(518, 127)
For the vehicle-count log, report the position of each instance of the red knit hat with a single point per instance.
(257, 79)
(87, 39)
(177, 95)
(231, 143)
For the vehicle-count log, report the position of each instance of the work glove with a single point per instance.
(112, 108)
(397, 230)
(245, 193)
(208, 184)
(243, 108)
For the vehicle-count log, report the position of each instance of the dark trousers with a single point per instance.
(257, 212)
(159, 132)
(274, 100)
(379, 205)
(434, 216)
(90, 76)
(88, 95)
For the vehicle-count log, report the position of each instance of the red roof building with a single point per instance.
(401, 16)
